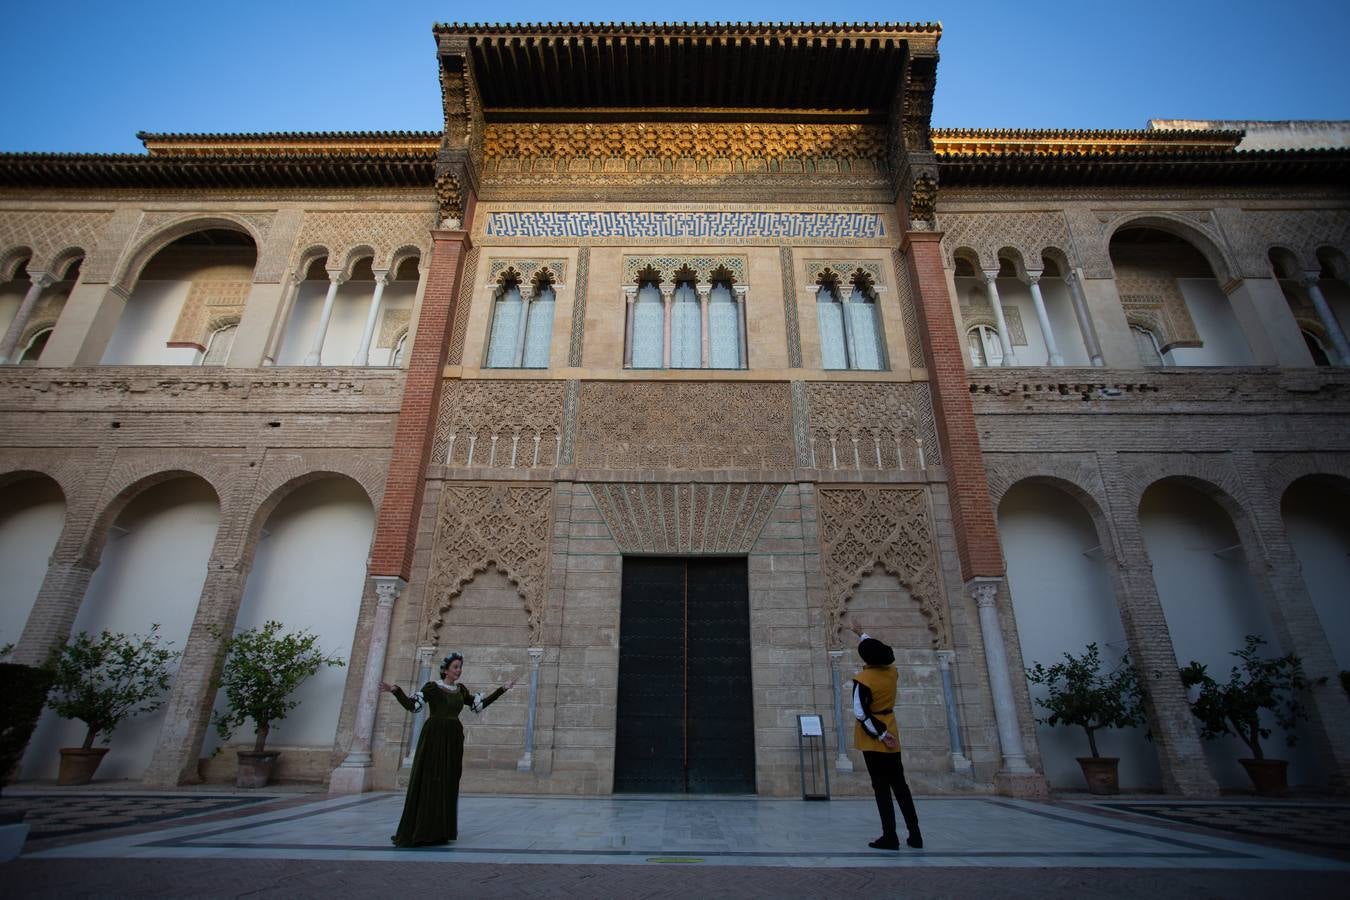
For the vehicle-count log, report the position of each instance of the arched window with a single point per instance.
(218, 346)
(33, 352)
(400, 347)
(865, 325)
(1146, 343)
(985, 347)
(539, 327)
(830, 317)
(1319, 353)
(648, 328)
(507, 315)
(686, 328)
(724, 327)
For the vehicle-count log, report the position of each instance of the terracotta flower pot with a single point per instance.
(255, 769)
(1101, 773)
(78, 764)
(1270, 777)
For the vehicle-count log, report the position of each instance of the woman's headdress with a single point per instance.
(450, 657)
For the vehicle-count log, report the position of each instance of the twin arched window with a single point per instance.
(522, 328)
(850, 328)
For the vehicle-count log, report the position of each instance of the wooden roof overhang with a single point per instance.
(689, 72)
(241, 170)
(1145, 168)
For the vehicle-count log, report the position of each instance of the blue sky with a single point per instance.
(86, 76)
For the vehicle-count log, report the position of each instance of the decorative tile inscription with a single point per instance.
(768, 225)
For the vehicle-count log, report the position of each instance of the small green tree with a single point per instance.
(262, 668)
(1257, 683)
(101, 681)
(1078, 694)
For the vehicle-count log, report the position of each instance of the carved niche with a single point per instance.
(210, 304)
(868, 526)
(482, 526)
(685, 518)
(626, 425)
(502, 424)
(1153, 300)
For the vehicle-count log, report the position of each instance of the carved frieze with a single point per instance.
(384, 232)
(578, 335)
(871, 426)
(685, 518)
(702, 267)
(500, 424)
(1029, 233)
(724, 227)
(50, 235)
(862, 528)
(527, 269)
(460, 327)
(482, 526)
(627, 425)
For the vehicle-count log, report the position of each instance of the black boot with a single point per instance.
(915, 839)
(885, 842)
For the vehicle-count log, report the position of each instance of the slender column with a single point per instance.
(10, 343)
(424, 656)
(667, 311)
(354, 775)
(283, 317)
(526, 762)
(705, 346)
(316, 350)
(1319, 302)
(740, 290)
(1054, 358)
(1085, 326)
(629, 298)
(985, 592)
(521, 327)
(846, 314)
(363, 352)
(1005, 339)
(841, 762)
(960, 763)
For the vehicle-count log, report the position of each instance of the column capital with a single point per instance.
(336, 276)
(41, 280)
(667, 292)
(1310, 279)
(1033, 276)
(703, 288)
(536, 654)
(630, 292)
(381, 276)
(990, 275)
(984, 591)
(388, 588)
(945, 659)
(837, 658)
(426, 654)
(741, 290)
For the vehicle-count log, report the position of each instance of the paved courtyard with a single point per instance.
(277, 843)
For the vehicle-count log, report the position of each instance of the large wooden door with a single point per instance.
(685, 720)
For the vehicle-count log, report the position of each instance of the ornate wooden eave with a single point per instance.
(1147, 167)
(1082, 142)
(318, 143)
(77, 170)
(566, 72)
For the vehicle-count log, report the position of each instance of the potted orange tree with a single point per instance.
(262, 668)
(101, 681)
(1079, 694)
(1257, 683)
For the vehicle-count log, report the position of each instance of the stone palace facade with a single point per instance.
(661, 358)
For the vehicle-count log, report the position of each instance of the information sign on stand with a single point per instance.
(811, 755)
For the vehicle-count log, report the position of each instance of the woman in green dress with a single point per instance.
(430, 811)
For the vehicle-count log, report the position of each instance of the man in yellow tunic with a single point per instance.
(876, 735)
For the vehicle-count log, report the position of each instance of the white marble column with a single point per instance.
(629, 298)
(1085, 326)
(10, 343)
(667, 311)
(353, 776)
(526, 762)
(1324, 312)
(740, 291)
(316, 349)
(985, 593)
(363, 352)
(424, 658)
(523, 326)
(960, 762)
(1004, 339)
(705, 347)
(1053, 356)
(841, 761)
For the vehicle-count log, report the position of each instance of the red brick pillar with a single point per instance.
(944, 354)
(396, 525)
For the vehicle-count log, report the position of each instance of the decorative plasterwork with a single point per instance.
(622, 148)
(500, 424)
(209, 305)
(730, 227)
(527, 269)
(685, 518)
(393, 325)
(482, 526)
(460, 327)
(976, 310)
(627, 425)
(1153, 299)
(844, 268)
(578, 335)
(908, 316)
(385, 232)
(871, 426)
(794, 332)
(1030, 234)
(667, 266)
(50, 235)
(1302, 232)
(862, 528)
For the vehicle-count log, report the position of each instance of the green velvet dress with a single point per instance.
(430, 811)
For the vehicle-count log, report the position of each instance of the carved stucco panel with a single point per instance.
(384, 232)
(1154, 300)
(49, 234)
(515, 412)
(685, 426)
(864, 527)
(1254, 232)
(1030, 233)
(482, 526)
(685, 518)
(871, 426)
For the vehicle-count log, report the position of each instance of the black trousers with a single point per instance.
(888, 777)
